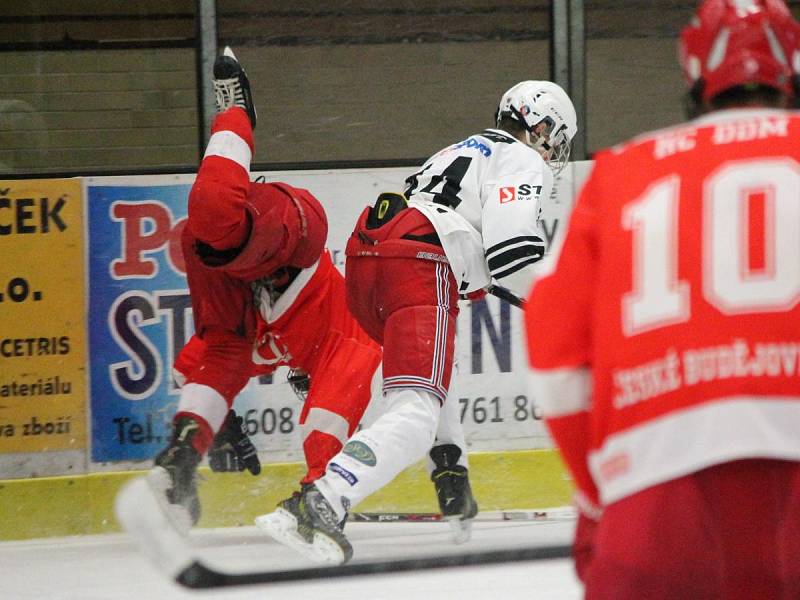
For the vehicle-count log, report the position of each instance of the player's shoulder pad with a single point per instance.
(497, 136)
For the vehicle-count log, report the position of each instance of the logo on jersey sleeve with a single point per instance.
(344, 473)
(361, 452)
(525, 191)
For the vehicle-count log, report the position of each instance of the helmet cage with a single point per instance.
(554, 147)
(561, 147)
(300, 383)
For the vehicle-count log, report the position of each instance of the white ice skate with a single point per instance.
(281, 526)
(307, 523)
(460, 529)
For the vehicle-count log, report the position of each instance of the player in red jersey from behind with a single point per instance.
(664, 338)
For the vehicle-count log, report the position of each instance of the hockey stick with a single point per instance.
(200, 576)
(144, 518)
(564, 513)
(505, 294)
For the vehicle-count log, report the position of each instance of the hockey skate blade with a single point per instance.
(159, 482)
(281, 526)
(460, 529)
(141, 515)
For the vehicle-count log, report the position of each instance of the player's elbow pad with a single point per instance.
(511, 263)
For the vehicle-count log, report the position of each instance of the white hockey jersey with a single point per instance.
(483, 196)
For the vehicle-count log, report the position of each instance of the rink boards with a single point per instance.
(96, 306)
(80, 505)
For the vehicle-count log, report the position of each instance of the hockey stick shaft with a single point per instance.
(506, 295)
(199, 576)
(550, 514)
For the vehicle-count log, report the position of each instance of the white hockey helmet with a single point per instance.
(544, 109)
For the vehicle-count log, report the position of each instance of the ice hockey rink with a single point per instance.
(111, 567)
(114, 98)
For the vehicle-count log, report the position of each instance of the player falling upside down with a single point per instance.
(665, 339)
(263, 290)
(472, 217)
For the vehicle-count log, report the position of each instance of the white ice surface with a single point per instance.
(110, 567)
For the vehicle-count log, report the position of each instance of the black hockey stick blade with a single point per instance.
(200, 576)
(506, 295)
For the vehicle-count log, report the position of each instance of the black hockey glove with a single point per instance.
(232, 449)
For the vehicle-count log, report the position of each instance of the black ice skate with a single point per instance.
(231, 86)
(453, 491)
(174, 476)
(307, 523)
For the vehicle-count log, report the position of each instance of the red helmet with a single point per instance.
(737, 42)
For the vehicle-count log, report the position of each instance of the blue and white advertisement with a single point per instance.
(139, 314)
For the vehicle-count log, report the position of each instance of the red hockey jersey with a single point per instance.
(299, 330)
(665, 336)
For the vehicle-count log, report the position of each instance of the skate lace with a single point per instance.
(228, 92)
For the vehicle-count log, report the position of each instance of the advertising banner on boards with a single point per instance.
(141, 315)
(42, 327)
(139, 309)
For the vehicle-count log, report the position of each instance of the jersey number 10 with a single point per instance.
(730, 282)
